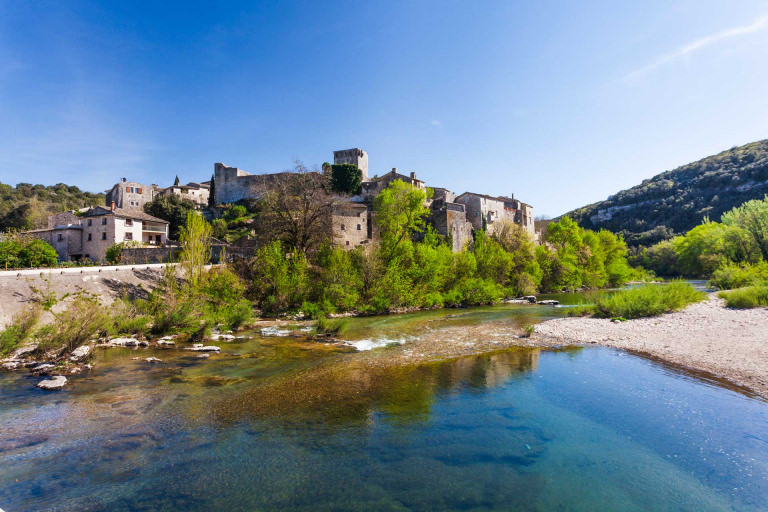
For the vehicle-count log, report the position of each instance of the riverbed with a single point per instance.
(281, 423)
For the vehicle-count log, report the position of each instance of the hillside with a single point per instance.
(675, 201)
(27, 206)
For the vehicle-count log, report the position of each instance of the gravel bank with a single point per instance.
(728, 343)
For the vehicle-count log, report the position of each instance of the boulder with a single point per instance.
(143, 343)
(53, 384)
(549, 302)
(124, 342)
(200, 348)
(164, 341)
(11, 365)
(153, 360)
(80, 352)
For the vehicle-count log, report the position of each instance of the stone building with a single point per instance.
(481, 207)
(351, 225)
(233, 184)
(450, 219)
(90, 235)
(374, 187)
(196, 192)
(355, 156)
(130, 194)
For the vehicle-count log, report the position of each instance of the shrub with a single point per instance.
(235, 212)
(81, 321)
(746, 298)
(332, 327)
(732, 276)
(20, 328)
(647, 300)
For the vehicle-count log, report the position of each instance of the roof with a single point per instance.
(123, 213)
(494, 198)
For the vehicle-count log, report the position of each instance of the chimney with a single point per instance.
(112, 206)
(122, 179)
(413, 175)
(394, 170)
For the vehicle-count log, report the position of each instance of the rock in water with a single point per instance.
(153, 360)
(80, 352)
(124, 342)
(199, 348)
(57, 382)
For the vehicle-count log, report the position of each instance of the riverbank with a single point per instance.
(728, 343)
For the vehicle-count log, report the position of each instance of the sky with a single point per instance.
(561, 103)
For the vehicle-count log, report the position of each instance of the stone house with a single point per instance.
(196, 192)
(130, 194)
(90, 235)
(373, 188)
(450, 220)
(481, 207)
(351, 225)
(355, 156)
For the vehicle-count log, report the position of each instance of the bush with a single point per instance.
(647, 300)
(746, 298)
(332, 327)
(235, 212)
(20, 328)
(83, 320)
(732, 276)
(24, 251)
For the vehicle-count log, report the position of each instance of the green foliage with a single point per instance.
(83, 320)
(331, 327)
(224, 299)
(195, 239)
(752, 218)
(19, 251)
(746, 298)
(400, 213)
(28, 206)
(114, 253)
(732, 275)
(235, 212)
(647, 300)
(19, 330)
(674, 202)
(280, 279)
(219, 228)
(346, 179)
(172, 208)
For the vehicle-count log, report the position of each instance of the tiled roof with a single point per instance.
(123, 213)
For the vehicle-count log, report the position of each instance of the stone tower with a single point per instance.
(354, 156)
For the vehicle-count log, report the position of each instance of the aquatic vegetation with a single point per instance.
(647, 300)
(746, 298)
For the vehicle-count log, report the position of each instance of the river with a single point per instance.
(278, 423)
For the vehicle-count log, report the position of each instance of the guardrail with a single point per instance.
(107, 269)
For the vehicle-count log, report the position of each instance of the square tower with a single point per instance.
(354, 156)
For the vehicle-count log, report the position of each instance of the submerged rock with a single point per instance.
(153, 360)
(549, 302)
(165, 341)
(80, 352)
(53, 384)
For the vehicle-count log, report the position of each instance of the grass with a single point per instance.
(648, 300)
(746, 298)
(20, 329)
(330, 327)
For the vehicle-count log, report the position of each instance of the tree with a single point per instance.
(176, 181)
(346, 178)
(297, 210)
(172, 208)
(195, 239)
(212, 192)
(400, 212)
(752, 217)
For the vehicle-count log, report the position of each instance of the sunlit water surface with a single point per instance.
(261, 427)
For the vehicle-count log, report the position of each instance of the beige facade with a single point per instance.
(350, 225)
(90, 235)
(130, 194)
(196, 192)
(484, 211)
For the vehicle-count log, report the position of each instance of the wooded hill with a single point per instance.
(28, 206)
(674, 202)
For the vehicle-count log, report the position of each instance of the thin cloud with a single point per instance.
(756, 26)
(436, 123)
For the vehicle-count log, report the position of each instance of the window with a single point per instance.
(104, 236)
(139, 191)
(358, 227)
(342, 227)
(104, 221)
(347, 242)
(61, 237)
(129, 222)
(90, 222)
(129, 236)
(90, 237)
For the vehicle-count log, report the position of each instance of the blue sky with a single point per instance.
(562, 103)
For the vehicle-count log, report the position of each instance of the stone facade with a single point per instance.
(450, 220)
(196, 192)
(130, 194)
(233, 184)
(350, 225)
(374, 187)
(99, 228)
(355, 156)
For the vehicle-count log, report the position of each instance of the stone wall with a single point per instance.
(350, 225)
(450, 220)
(233, 184)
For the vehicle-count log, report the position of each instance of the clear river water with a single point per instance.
(278, 423)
